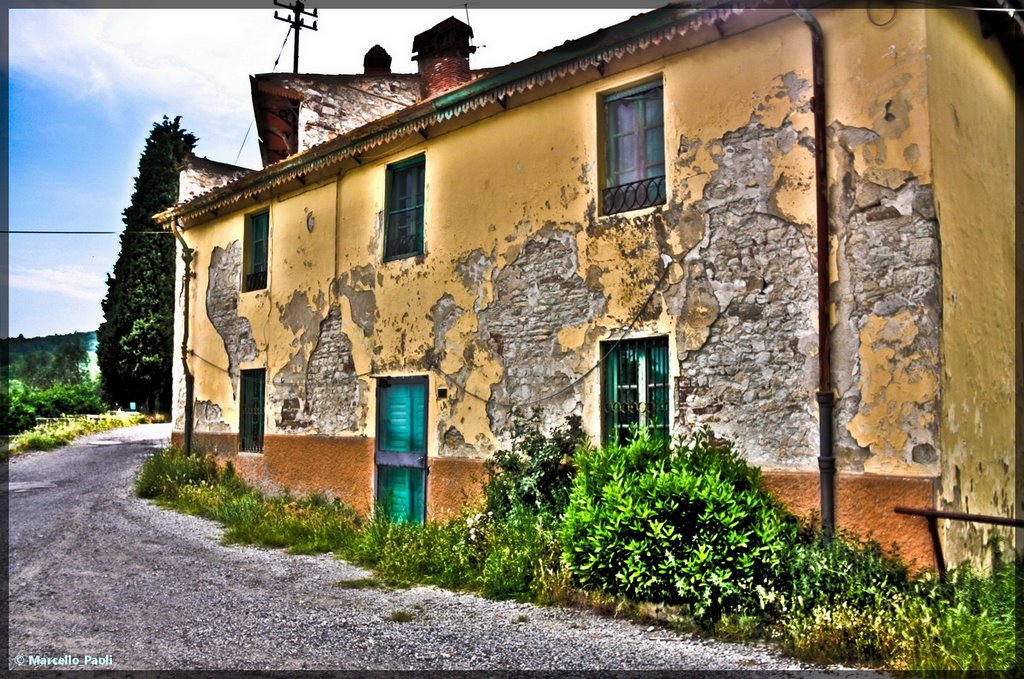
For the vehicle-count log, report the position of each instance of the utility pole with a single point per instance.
(298, 9)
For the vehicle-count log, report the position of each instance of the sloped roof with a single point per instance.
(591, 51)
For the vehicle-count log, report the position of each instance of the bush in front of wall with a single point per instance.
(687, 523)
(535, 473)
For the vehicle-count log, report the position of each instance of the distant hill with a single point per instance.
(16, 347)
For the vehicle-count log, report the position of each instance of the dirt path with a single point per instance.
(96, 572)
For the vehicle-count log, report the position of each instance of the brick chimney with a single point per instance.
(377, 61)
(443, 56)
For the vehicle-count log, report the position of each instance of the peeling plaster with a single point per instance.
(222, 294)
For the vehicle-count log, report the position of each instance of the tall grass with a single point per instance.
(842, 602)
(60, 432)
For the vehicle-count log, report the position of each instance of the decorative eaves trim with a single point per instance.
(392, 127)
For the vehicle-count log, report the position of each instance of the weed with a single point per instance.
(521, 618)
(401, 616)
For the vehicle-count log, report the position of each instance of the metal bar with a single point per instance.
(960, 516)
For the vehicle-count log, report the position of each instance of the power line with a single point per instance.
(77, 233)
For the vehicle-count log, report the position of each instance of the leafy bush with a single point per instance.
(536, 473)
(81, 398)
(841, 599)
(16, 412)
(21, 406)
(687, 524)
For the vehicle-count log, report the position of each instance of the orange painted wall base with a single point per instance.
(864, 504)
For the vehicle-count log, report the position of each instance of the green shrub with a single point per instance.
(17, 414)
(536, 473)
(68, 399)
(685, 524)
(165, 473)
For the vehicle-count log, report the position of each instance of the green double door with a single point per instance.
(401, 448)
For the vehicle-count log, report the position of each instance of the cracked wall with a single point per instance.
(522, 279)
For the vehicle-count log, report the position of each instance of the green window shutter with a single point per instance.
(635, 388)
(403, 422)
(257, 239)
(401, 446)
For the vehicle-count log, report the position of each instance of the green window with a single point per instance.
(634, 149)
(635, 387)
(401, 447)
(403, 231)
(250, 428)
(257, 239)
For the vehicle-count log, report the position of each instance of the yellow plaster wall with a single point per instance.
(975, 115)
(494, 184)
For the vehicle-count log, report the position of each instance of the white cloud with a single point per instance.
(78, 282)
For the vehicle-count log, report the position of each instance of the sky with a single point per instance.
(86, 86)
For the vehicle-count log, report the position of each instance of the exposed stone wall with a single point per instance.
(334, 105)
(222, 295)
(199, 175)
(886, 357)
(537, 294)
(746, 337)
(334, 394)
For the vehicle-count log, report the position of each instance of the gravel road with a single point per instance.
(99, 576)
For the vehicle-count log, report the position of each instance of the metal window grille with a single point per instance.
(253, 383)
(635, 195)
(636, 381)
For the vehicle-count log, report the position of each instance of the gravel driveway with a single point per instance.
(96, 572)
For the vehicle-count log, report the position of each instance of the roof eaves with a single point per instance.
(603, 46)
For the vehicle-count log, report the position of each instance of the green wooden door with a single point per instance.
(401, 448)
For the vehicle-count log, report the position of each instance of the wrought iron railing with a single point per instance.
(621, 416)
(256, 280)
(635, 195)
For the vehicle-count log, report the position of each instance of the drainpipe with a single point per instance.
(186, 257)
(826, 399)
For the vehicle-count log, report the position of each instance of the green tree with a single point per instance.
(135, 339)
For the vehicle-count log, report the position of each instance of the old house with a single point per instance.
(670, 221)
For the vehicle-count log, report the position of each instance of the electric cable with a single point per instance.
(272, 70)
(600, 361)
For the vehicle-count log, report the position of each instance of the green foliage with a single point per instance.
(22, 407)
(19, 349)
(135, 339)
(168, 471)
(684, 524)
(968, 622)
(536, 473)
(17, 413)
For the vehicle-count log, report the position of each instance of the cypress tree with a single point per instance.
(135, 340)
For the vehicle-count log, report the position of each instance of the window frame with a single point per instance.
(256, 269)
(650, 188)
(395, 172)
(643, 384)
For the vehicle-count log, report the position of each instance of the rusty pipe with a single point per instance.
(187, 254)
(825, 396)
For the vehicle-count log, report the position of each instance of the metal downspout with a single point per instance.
(186, 257)
(826, 399)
